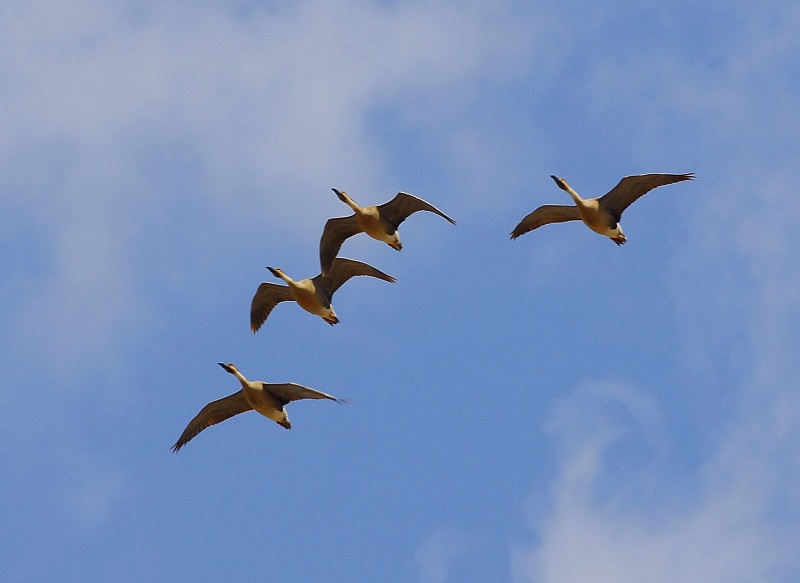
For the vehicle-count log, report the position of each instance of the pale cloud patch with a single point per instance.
(440, 549)
(94, 494)
(270, 109)
(261, 114)
(717, 530)
(733, 516)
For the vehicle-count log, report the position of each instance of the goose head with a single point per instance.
(345, 198)
(278, 272)
(560, 182)
(228, 367)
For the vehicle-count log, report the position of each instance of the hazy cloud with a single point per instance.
(601, 528)
(262, 113)
(439, 551)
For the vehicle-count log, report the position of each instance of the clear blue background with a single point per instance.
(549, 409)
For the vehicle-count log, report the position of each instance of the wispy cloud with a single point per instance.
(718, 521)
(124, 122)
(439, 551)
(266, 113)
(609, 516)
(611, 519)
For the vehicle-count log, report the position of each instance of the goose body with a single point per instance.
(313, 294)
(268, 399)
(378, 221)
(602, 215)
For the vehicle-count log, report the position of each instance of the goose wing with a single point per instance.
(631, 188)
(343, 269)
(334, 234)
(288, 392)
(268, 295)
(404, 205)
(213, 413)
(544, 215)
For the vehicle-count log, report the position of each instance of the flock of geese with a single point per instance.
(602, 215)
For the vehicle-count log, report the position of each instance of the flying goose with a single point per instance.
(313, 295)
(268, 399)
(601, 215)
(379, 222)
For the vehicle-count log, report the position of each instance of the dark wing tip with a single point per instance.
(450, 220)
(256, 321)
(518, 231)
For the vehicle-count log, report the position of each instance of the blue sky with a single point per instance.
(549, 409)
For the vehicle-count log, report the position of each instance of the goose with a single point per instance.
(313, 294)
(268, 399)
(601, 215)
(379, 222)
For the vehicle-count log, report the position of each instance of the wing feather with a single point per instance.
(213, 413)
(631, 188)
(288, 392)
(267, 297)
(343, 269)
(404, 205)
(334, 234)
(544, 215)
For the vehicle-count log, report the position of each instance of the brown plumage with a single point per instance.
(313, 294)
(268, 399)
(379, 222)
(602, 215)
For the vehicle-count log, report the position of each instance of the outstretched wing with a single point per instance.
(334, 234)
(404, 205)
(213, 413)
(631, 188)
(267, 297)
(288, 392)
(544, 215)
(343, 269)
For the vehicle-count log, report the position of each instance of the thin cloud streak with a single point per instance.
(268, 114)
(736, 290)
(719, 528)
(265, 113)
(729, 531)
(439, 551)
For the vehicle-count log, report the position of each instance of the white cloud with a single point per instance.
(737, 293)
(262, 115)
(271, 110)
(600, 529)
(439, 551)
(728, 516)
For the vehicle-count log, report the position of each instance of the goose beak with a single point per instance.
(273, 272)
(227, 367)
(559, 181)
